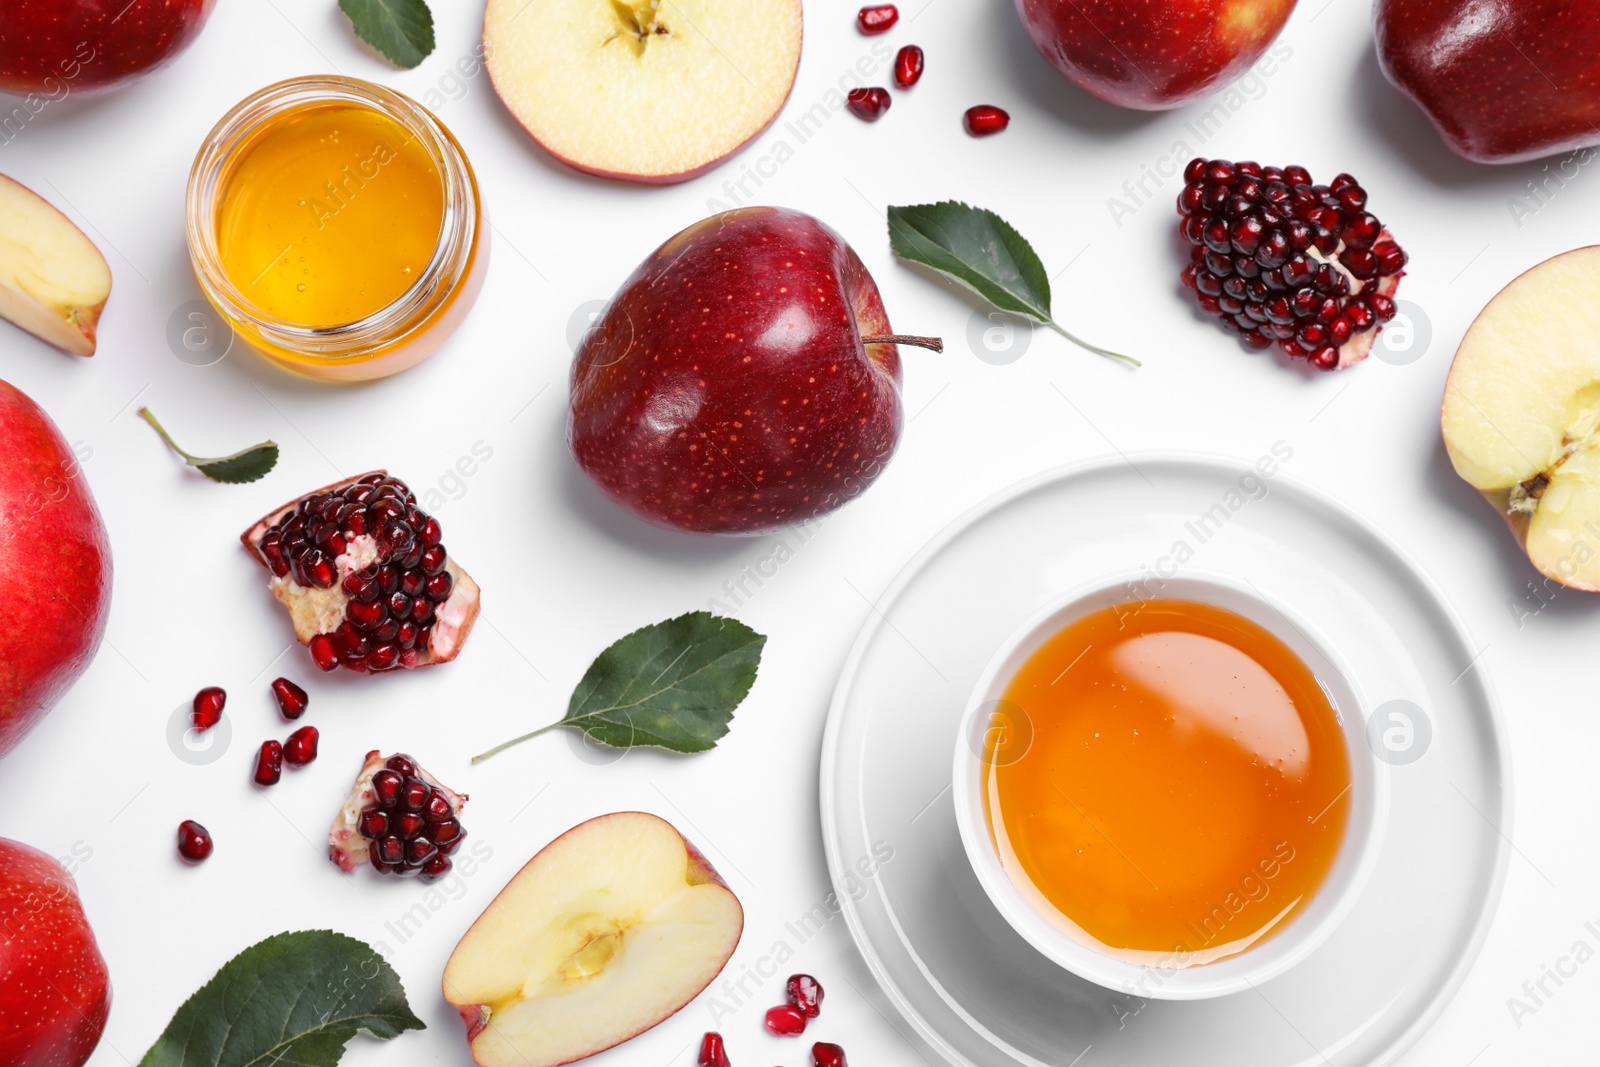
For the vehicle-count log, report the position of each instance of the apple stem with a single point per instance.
(1081, 343)
(934, 344)
(480, 757)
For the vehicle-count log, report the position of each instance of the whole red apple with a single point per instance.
(734, 383)
(1503, 80)
(55, 567)
(53, 47)
(55, 993)
(1153, 54)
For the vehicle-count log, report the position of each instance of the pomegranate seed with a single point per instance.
(435, 868)
(194, 841)
(827, 1054)
(414, 794)
(301, 748)
(446, 832)
(208, 705)
(373, 823)
(419, 850)
(439, 587)
(365, 615)
(868, 105)
(292, 700)
(269, 763)
(387, 850)
(805, 993)
(386, 788)
(986, 119)
(323, 652)
(712, 1052)
(907, 66)
(409, 824)
(786, 1020)
(877, 19)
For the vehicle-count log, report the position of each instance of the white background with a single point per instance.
(564, 572)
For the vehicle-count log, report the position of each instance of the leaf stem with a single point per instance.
(145, 414)
(480, 757)
(1081, 343)
(934, 344)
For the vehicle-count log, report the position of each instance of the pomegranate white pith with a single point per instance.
(426, 829)
(365, 576)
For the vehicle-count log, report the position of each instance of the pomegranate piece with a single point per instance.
(984, 120)
(786, 1020)
(301, 748)
(868, 105)
(208, 704)
(398, 818)
(907, 66)
(194, 841)
(269, 763)
(712, 1052)
(366, 578)
(292, 700)
(1281, 260)
(827, 1054)
(877, 18)
(805, 993)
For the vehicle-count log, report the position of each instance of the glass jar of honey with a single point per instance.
(337, 226)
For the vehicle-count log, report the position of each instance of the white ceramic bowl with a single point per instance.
(1160, 975)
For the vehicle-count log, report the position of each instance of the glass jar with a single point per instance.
(254, 155)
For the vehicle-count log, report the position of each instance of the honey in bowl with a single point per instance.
(1187, 786)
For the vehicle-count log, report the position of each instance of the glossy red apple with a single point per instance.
(1503, 80)
(1153, 54)
(55, 567)
(55, 993)
(55, 47)
(742, 378)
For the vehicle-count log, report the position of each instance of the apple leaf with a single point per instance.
(250, 465)
(293, 998)
(673, 685)
(982, 251)
(401, 29)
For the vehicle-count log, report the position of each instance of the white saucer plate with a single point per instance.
(977, 993)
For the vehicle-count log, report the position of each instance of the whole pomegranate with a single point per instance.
(55, 567)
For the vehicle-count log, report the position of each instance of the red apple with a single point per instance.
(54, 989)
(1503, 81)
(53, 47)
(55, 568)
(743, 378)
(1153, 54)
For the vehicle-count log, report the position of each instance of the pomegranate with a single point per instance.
(805, 993)
(301, 747)
(827, 1054)
(292, 700)
(269, 763)
(194, 841)
(981, 120)
(868, 105)
(365, 576)
(208, 704)
(712, 1052)
(908, 66)
(786, 1020)
(1280, 260)
(398, 818)
(877, 18)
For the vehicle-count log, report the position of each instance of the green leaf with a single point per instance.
(401, 29)
(251, 465)
(673, 685)
(982, 251)
(294, 998)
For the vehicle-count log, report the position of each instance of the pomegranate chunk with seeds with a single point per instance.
(399, 819)
(366, 578)
(1283, 261)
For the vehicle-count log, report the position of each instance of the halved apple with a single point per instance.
(53, 280)
(1521, 414)
(612, 928)
(646, 90)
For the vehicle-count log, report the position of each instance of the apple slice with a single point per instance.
(1521, 414)
(647, 90)
(612, 928)
(53, 280)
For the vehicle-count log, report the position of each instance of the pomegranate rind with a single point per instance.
(346, 847)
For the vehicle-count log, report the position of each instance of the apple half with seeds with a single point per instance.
(53, 280)
(610, 929)
(1521, 414)
(649, 91)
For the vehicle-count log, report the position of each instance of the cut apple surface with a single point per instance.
(647, 90)
(53, 280)
(612, 928)
(1521, 414)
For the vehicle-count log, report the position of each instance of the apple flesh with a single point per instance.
(743, 378)
(53, 280)
(55, 567)
(55, 992)
(1152, 54)
(1521, 415)
(56, 48)
(1502, 82)
(610, 929)
(644, 90)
